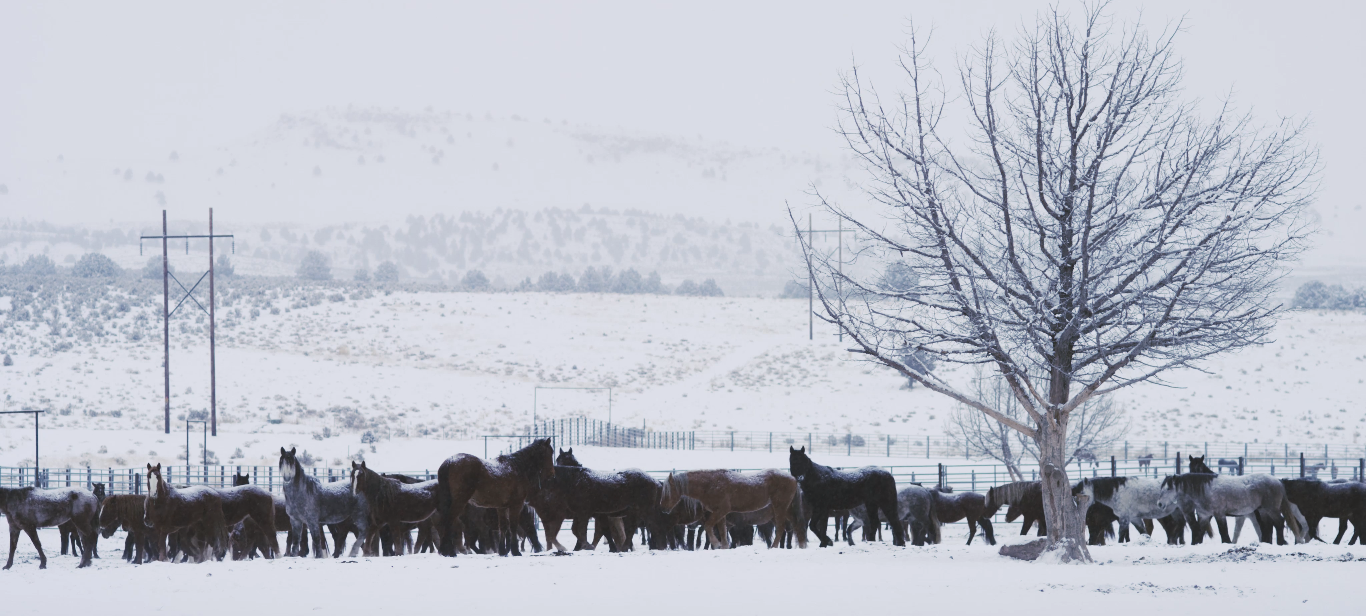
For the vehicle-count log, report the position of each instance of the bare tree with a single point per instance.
(1088, 226)
(1096, 425)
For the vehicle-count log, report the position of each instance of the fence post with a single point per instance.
(974, 480)
(1164, 450)
(1301, 465)
(732, 440)
(889, 445)
(770, 442)
(849, 444)
(1206, 449)
(1361, 469)
(927, 447)
(1126, 452)
(809, 447)
(1178, 462)
(1114, 469)
(941, 475)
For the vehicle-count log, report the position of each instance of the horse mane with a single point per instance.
(377, 488)
(1188, 483)
(525, 461)
(1105, 487)
(1011, 493)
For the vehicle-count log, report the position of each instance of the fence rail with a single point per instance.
(582, 431)
(974, 477)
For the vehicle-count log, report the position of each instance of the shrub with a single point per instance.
(387, 272)
(96, 265)
(709, 288)
(152, 271)
(315, 266)
(475, 280)
(38, 266)
(223, 267)
(687, 287)
(795, 290)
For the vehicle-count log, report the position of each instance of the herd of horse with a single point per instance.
(486, 506)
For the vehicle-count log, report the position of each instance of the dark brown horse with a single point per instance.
(392, 503)
(579, 494)
(28, 509)
(951, 507)
(1022, 498)
(125, 511)
(723, 491)
(504, 485)
(198, 509)
(254, 503)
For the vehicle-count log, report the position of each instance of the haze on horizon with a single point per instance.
(108, 87)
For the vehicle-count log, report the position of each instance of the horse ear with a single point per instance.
(149, 466)
(571, 451)
(803, 449)
(292, 450)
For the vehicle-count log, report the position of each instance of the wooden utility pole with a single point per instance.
(167, 312)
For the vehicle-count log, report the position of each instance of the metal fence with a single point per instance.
(583, 431)
(974, 477)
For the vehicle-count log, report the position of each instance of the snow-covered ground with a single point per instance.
(1142, 578)
(443, 366)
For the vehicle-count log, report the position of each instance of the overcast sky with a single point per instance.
(84, 76)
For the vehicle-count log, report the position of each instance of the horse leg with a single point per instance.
(552, 533)
(972, 530)
(33, 535)
(1223, 529)
(88, 538)
(579, 526)
(319, 542)
(14, 531)
(716, 527)
(820, 519)
(1342, 529)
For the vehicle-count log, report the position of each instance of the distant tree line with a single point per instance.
(604, 280)
(1317, 295)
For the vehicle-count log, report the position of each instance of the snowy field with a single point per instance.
(1140, 579)
(415, 367)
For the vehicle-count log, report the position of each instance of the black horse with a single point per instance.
(829, 489)
(1318, 500)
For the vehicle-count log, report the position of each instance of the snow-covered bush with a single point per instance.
(387, 271)
(315, 266)
(96, 265)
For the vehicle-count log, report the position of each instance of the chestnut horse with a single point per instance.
(197, 508)
(724, 491)
(504, 485)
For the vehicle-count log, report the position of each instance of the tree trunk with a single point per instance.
(1064, 513)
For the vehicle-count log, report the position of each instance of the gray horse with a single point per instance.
(1203, 496)
(1133, 499)
(915, 507)
(311, 504)
(29, 509)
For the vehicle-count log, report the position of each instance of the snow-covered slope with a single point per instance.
(458, 365)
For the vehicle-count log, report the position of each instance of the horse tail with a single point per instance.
(1292, 518)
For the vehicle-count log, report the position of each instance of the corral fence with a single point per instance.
(974, 477)
(582, 431)
(960, 477)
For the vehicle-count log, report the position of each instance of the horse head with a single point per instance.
(798, 463)
(109, 520)
(566, 458)
(157, 493)
(98, 490)
(289, 464)
(1197, 465)
(240, 480)
(361, 477)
